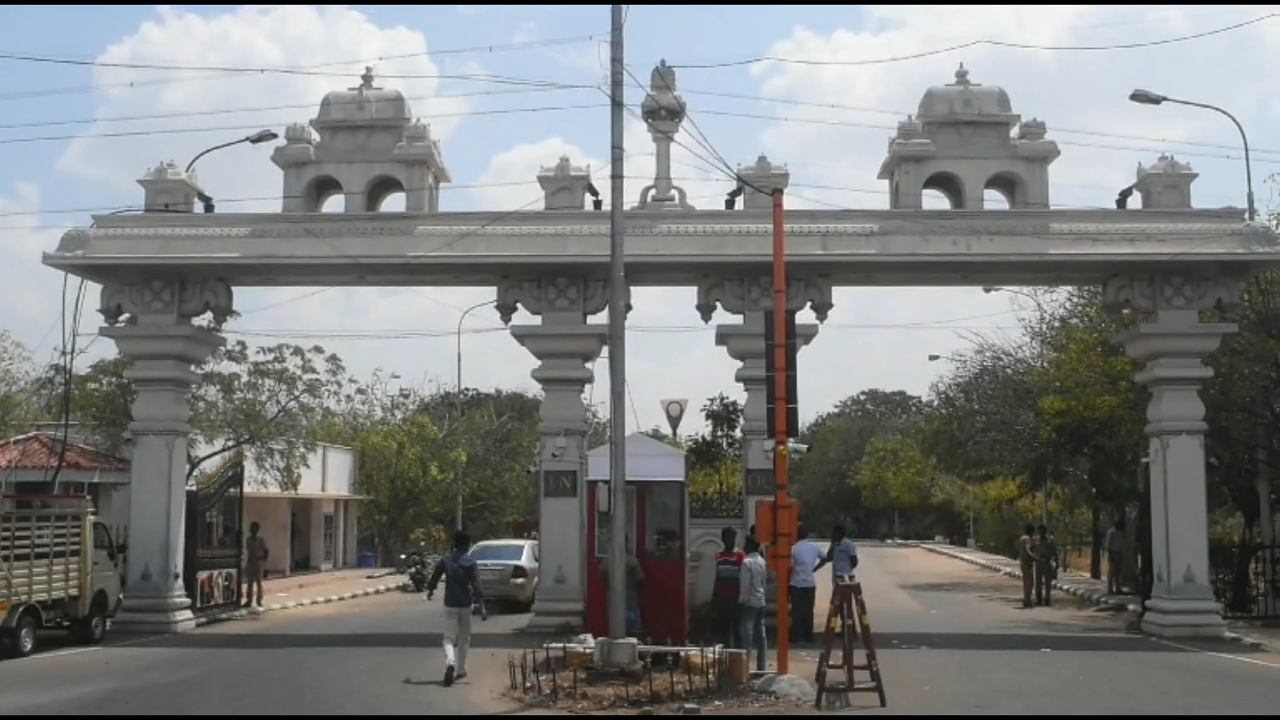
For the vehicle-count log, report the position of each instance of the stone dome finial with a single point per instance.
(962, 76)
(418, 133)
(298, 134)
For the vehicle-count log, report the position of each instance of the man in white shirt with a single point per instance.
(751, 597)
(802, 588)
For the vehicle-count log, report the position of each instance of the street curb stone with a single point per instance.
(240, 613)
(1089, 595)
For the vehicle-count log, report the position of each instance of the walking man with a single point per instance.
(1027, 562)
(802, 587)
(724, 595)
(461, 592)
(751, 597)
(255, 561)
(1046, 565)
(1114, 543)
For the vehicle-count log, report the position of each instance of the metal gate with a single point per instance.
(215, 521)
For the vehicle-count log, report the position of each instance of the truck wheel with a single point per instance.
(92, 628)
(24, 636)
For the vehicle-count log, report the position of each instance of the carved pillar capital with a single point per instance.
(165, 301)
(1163, 292)
(564, 297)
(754, 293)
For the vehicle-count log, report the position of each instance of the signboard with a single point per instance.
(759, 481)
(217, 587)
(560, 483)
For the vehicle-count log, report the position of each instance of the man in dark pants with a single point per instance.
(1046, 565)
(802, 588)
(1027, 562)
(724, 595)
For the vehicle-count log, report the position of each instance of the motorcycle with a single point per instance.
(418, 572)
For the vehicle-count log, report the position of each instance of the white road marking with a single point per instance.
(91, 648)
(1211, 653)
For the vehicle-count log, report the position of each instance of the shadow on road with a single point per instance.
(280, 641)
(1018, 642)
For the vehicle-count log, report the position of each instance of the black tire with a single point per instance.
(23, 640)
(92, 628)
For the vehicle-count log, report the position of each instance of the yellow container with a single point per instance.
(737, 662)
(576, 658)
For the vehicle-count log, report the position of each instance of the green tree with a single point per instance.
(18, 405)
(823, 479)
(405, 468)
(265, 400)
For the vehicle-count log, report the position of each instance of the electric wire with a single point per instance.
(976, 43)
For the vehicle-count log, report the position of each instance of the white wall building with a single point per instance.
(314, 527)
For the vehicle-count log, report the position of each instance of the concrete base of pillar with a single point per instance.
(1170, 618)
(557, 616)
(623, 654)
(154, 616)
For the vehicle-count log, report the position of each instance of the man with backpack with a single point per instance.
(461, 592)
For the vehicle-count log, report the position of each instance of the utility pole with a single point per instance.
(617, 338)
(782, 529)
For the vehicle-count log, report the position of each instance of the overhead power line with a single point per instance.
(973, 44)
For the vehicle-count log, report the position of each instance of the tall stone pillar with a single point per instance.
(750, 296)
(150, 323)
(564, 344)
(1172, 344)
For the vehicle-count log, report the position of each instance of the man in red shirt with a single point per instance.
(724, 596)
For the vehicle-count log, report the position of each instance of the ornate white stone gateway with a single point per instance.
(161, 269)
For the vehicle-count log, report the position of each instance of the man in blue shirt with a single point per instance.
(461, 592)
(802, 588)
(842, 555)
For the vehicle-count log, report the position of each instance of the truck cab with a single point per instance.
(59, 569)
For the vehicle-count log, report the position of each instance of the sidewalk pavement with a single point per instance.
(1095, 592)
(297, 591)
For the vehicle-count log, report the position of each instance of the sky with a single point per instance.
(508, 89)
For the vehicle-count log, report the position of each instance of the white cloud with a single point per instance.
(331, 45)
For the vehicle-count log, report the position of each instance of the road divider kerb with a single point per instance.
(1090, 595)
(240, 613)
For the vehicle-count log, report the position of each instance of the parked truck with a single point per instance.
(58, 569)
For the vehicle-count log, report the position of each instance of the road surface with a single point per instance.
(375, 656)
(952, 639)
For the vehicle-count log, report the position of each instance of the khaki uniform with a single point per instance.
(1046, 568)
(1027, 564)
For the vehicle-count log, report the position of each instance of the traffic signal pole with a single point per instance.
(781, 506)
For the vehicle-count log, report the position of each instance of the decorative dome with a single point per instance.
(966, 101)
(1165, 165)
(363, 105)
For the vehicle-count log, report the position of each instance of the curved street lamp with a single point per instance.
(1146, 97)
(262, 136)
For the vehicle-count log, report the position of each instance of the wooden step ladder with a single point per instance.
(847, 617)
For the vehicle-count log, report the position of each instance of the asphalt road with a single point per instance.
(374, 656)
(951, 639)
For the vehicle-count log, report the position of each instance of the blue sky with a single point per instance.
(827, 112)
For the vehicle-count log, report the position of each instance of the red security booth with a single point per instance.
(657, 511)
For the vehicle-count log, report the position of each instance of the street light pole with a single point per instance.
(262, 136)
(617, 335)
(458, 338)
(1146, 97)
(457, 490)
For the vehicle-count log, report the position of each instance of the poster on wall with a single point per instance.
(217, 587)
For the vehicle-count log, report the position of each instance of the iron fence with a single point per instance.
(565, 676)
(1246, 579)
(717, 504)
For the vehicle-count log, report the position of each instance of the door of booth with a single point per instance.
(658, 522)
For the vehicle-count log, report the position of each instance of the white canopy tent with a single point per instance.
(648, 460)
